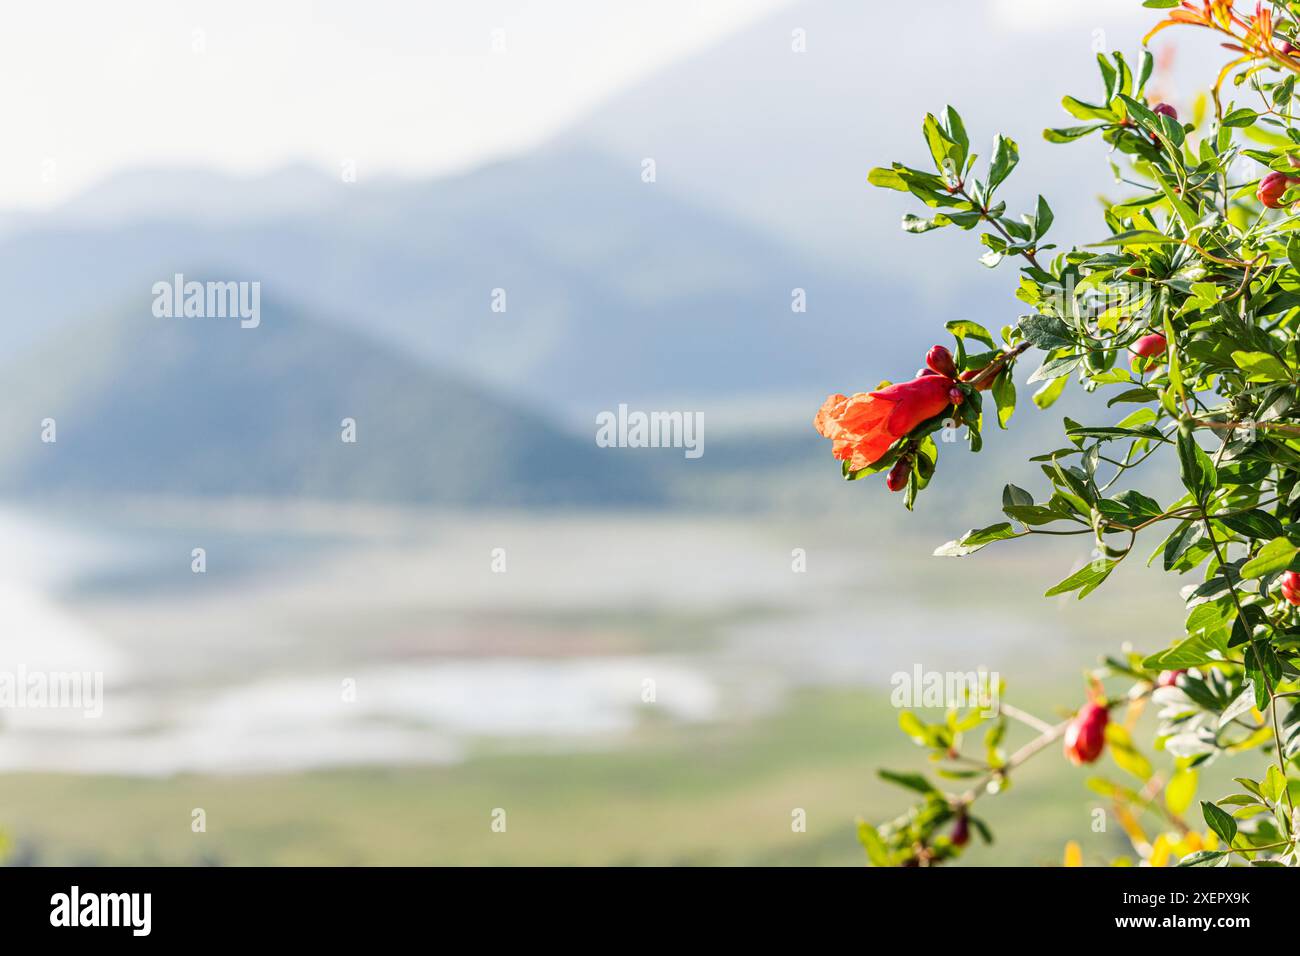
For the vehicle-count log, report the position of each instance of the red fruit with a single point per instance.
(1271, 188)
(896, 480)
(1164, 109)
(961, 831)
(1169, 678)
(1085, 737)
(940, 359)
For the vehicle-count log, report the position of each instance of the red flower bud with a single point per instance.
(956, 395)
(896, 480)
(940, 359)
(1285, 48)
(961, 831)
(1164, 109)
(1271, 188)
(1085, 737)
(983, 386)
(1169, 678)
(1291, 587)
(1150, 346)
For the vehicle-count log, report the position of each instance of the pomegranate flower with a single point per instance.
(863, 427)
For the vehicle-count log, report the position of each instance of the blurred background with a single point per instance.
(639, 657)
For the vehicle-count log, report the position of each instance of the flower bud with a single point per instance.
(1085, 737)
(961, 831)
(1149, 346)
(1164, 109)
(1285, 48)
(940, 359)
(896, 480)
(1271, 188)
(956, 395)
(1169, 678)
(1291, 587)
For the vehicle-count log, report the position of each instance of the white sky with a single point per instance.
(90, 88)
(410, 87)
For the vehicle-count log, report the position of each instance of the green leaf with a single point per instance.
(887, 179)
(1273, 557)
(1046, 396)
(1006, 154)
(877, 853)
(1252, 524)
(1239, 117)
(1220, 821)
(1012, 495)
(1086, 579)
(1046, 331)
(911, 781)
(1004, 395)
(1135, 237)
(1196, 469)
(1189, 652)
(965, 328)
(973, 540)
(1203, 858)
(1261, 367)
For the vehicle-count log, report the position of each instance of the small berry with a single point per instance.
(1164, 109)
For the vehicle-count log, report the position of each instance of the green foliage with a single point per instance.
(1191, 264)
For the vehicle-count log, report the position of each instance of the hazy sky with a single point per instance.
(405, 87)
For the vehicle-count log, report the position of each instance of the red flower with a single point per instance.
(1085, 737)
(863, 427)
(1271, 188)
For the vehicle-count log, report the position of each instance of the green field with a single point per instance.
(717, 796)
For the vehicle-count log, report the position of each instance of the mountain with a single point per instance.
(783, 140)
(615, 289)
(201, 406)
